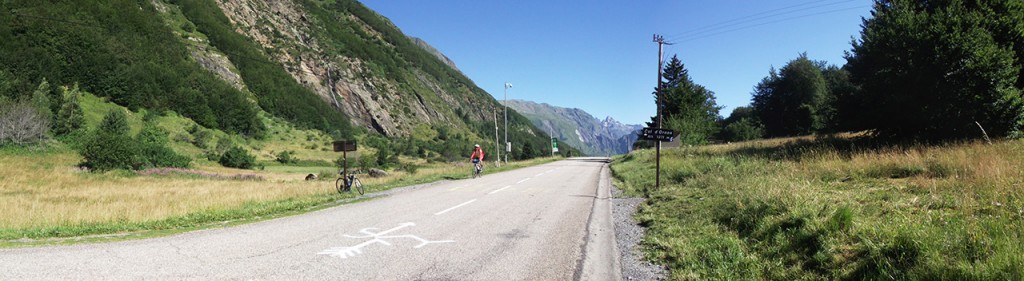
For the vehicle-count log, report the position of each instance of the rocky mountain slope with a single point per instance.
(578, 128)
(328, 65)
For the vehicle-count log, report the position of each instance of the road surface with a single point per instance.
(533, 223)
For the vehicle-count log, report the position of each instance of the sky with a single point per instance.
(599, 55)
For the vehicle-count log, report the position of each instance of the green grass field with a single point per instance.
(833, 208)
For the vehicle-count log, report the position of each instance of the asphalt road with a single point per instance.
(533, 223)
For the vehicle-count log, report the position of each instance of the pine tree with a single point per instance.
(70, 118)
(687, 107)
(41, 100)
(115, 122)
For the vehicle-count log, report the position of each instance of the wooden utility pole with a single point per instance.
(661, 43)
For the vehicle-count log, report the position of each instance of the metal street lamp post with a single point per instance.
(507, 150)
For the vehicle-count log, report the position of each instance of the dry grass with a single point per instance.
(48, 191)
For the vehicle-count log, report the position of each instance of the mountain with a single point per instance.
(578, 128)
(334, 66)
(430, 49)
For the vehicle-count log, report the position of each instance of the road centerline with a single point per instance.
(453, 208)
(500, 189)
(522, 181)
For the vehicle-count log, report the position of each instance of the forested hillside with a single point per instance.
(333, 66)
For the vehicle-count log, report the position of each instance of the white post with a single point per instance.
(497, 146)
(507, 85)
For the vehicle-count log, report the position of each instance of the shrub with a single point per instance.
(411, 168)
(201, 138)
(285, 157)
(237, 157)
(223, 144)
(151, 134)
(153, 145)
(188, 27)
(155, 155)
(107, 151)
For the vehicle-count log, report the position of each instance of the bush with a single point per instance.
(152, 142)
(201, 138)
(155, 155)
(151, 134)
(106, 151)
(285, 157)
(237, 157)
(223, 144)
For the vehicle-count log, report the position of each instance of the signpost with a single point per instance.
(554, 146)
(344, 146)
(660, 135)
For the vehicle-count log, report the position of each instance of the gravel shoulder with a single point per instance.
(628, 235)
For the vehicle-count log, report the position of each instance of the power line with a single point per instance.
(756, 16)
(706, 35)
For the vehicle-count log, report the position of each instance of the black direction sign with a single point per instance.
(658, 134)
(344, 146)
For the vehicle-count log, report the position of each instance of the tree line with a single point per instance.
(921, 71)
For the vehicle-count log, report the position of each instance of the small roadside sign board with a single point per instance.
(554, 145)
(344, 145)
(658, 134)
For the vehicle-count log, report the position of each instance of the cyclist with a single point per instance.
(478, 161)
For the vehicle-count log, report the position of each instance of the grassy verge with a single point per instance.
(833, 209)
(43, 197)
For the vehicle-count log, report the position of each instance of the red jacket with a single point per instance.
(477, 151)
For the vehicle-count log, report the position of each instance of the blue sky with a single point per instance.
(598, 55)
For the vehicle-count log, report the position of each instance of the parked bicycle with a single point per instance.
(346, 183)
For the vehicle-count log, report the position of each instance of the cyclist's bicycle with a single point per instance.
(477, 168)
(345, 184)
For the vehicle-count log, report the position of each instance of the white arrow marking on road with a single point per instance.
(347, 252)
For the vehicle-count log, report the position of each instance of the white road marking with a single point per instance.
(347, 252)
(456, 207)
(522, 181)
(458, 187)
(541, 174)
(500, 189)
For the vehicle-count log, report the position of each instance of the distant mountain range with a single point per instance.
(578, 128)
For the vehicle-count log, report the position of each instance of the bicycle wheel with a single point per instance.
(358, 185)
(340, 185)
